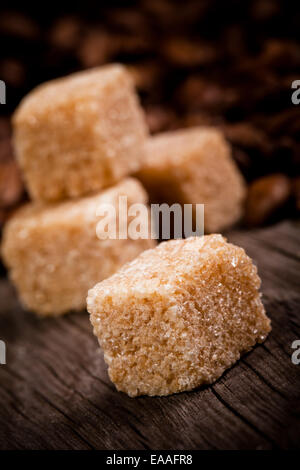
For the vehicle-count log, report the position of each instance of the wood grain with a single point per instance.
(55, 392)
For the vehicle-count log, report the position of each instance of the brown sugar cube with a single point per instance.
(194, 166)
(178, 315)
(54, 254)
(79, 134)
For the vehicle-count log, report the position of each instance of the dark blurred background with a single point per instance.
(228, 64)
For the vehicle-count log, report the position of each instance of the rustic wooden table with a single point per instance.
(55, 392)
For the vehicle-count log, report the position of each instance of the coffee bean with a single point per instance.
(198, 93)
(95, 49)
(245, 135)
(187, 53)
(145, 75)
(159, 119)
(265, 196)
(129, 20)
(65, 33)
(12, 71)
(17, 24)
(263, 10)
(11, 186)
(280, 54)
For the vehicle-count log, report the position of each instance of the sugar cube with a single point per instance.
(79, 134)
(54, 254)
(194, 166)
(178, 315)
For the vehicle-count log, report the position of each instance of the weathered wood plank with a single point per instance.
(55, 393)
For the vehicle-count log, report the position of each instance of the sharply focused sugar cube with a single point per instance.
(194, 166)
(54, 254)
(79, 134)
(178, 315)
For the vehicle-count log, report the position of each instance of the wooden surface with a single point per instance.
(55, 392)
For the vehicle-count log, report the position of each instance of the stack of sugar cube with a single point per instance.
(77, 139)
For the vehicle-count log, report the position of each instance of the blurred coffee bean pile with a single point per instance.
(228, 64)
